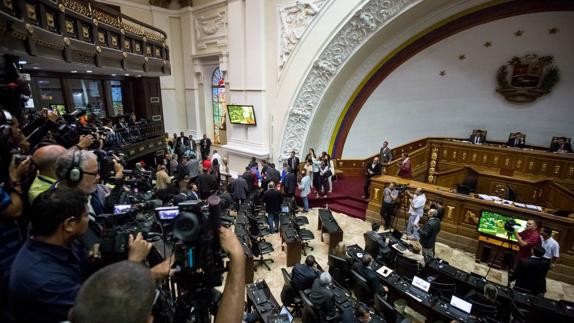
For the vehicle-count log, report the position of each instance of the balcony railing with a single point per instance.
(86, 32)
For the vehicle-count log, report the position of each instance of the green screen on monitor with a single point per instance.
(241, 114)
(492, 224)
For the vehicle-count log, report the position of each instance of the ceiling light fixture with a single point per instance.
(22, 62)
(74, 71)
(36, 67)
(114, 74)
(89, 71)
(126, 74)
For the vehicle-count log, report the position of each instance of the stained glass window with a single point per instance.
(218, 103)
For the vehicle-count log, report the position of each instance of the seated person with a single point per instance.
(322, 297)
(516, 139)
(364, 269)
(415, 254)
(477, 137)
(383, 251)
(303, 275)
(561, 145)
(341, 252)
(488, 297)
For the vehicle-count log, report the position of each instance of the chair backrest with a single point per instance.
(361, 289)
(310, 312)
(406, 267)
(483, 310)
(340, 270)
(444, 290)
(371, 245)
(386, 309)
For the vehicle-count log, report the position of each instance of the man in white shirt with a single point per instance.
(416, 210)
(550, 245)
(217, 156)
(305, 187)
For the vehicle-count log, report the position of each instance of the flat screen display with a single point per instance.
(492, 224)
(167, 213)
(120, 208)
(241, 114)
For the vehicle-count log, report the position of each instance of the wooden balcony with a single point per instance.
(82, 32)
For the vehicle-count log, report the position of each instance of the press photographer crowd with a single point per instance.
(84, 239)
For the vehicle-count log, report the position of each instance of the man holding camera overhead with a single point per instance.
(416, 210)
(528, 239)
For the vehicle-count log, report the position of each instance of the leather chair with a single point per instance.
(371, 245)
(340, 270)
(289, 296)
(361, 289)
(443, 290)
(306, 236)
(311, 313)
(482, 310)
(387, 309)
(260, 247)
(406, 267)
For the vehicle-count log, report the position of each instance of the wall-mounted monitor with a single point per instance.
(241, 114)
(493, 224)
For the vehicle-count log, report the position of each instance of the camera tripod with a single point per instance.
(401, 204)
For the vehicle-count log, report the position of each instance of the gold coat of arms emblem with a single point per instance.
(525, 79)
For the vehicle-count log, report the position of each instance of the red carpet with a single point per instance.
(345, 198)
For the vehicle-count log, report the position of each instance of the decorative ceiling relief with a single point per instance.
(525, 79)
(294, 18)
(358, 29)
(211, 27)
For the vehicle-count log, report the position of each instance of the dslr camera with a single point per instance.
(509, 226)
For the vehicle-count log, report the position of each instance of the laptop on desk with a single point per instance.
(459, 308)
(419, 289)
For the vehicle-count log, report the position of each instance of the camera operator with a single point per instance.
(416, 210)
(49, 269)
(528, 239)
(390, 196)
(12, 174)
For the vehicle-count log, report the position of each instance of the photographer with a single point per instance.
(49, 269)
(416, 210)
(528, 239)
(390, 196)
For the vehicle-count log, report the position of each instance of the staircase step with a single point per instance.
(352, 212)
(353, 203)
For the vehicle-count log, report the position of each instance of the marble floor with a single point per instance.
(353, 234)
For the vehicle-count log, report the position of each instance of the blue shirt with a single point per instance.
(44, 281)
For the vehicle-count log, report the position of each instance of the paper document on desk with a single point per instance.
(488, 197)
(534, 207)
(519, 204)
(384, 271)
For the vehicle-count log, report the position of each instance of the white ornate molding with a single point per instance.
(370, 18)
(211, 27)
(294, 18)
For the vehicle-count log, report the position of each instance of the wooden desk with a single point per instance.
(267, 310)
(495, 252)
(293, 244)
(326, 224)
(461, 216)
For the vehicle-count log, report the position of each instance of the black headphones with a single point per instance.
(76, 173)
(5, 123)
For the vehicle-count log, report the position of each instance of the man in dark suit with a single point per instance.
(273, 175)
(323, 297)
(290, 184)
(561, 146)
(516, 140)
(477, 137)
(293, 162)
(205, 184)
(272, 199)
(530, 273)
(181, 143)
(205, 146)
(363, 268)
(385, 155)
(192, 143)
(182, 168)
(428, 234)
(373, 169)
(303, 275)
(239, 190)
(249, 178)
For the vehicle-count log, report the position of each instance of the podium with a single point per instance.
(498, 252)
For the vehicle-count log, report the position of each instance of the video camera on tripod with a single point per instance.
(402, 187)
(510, 227)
